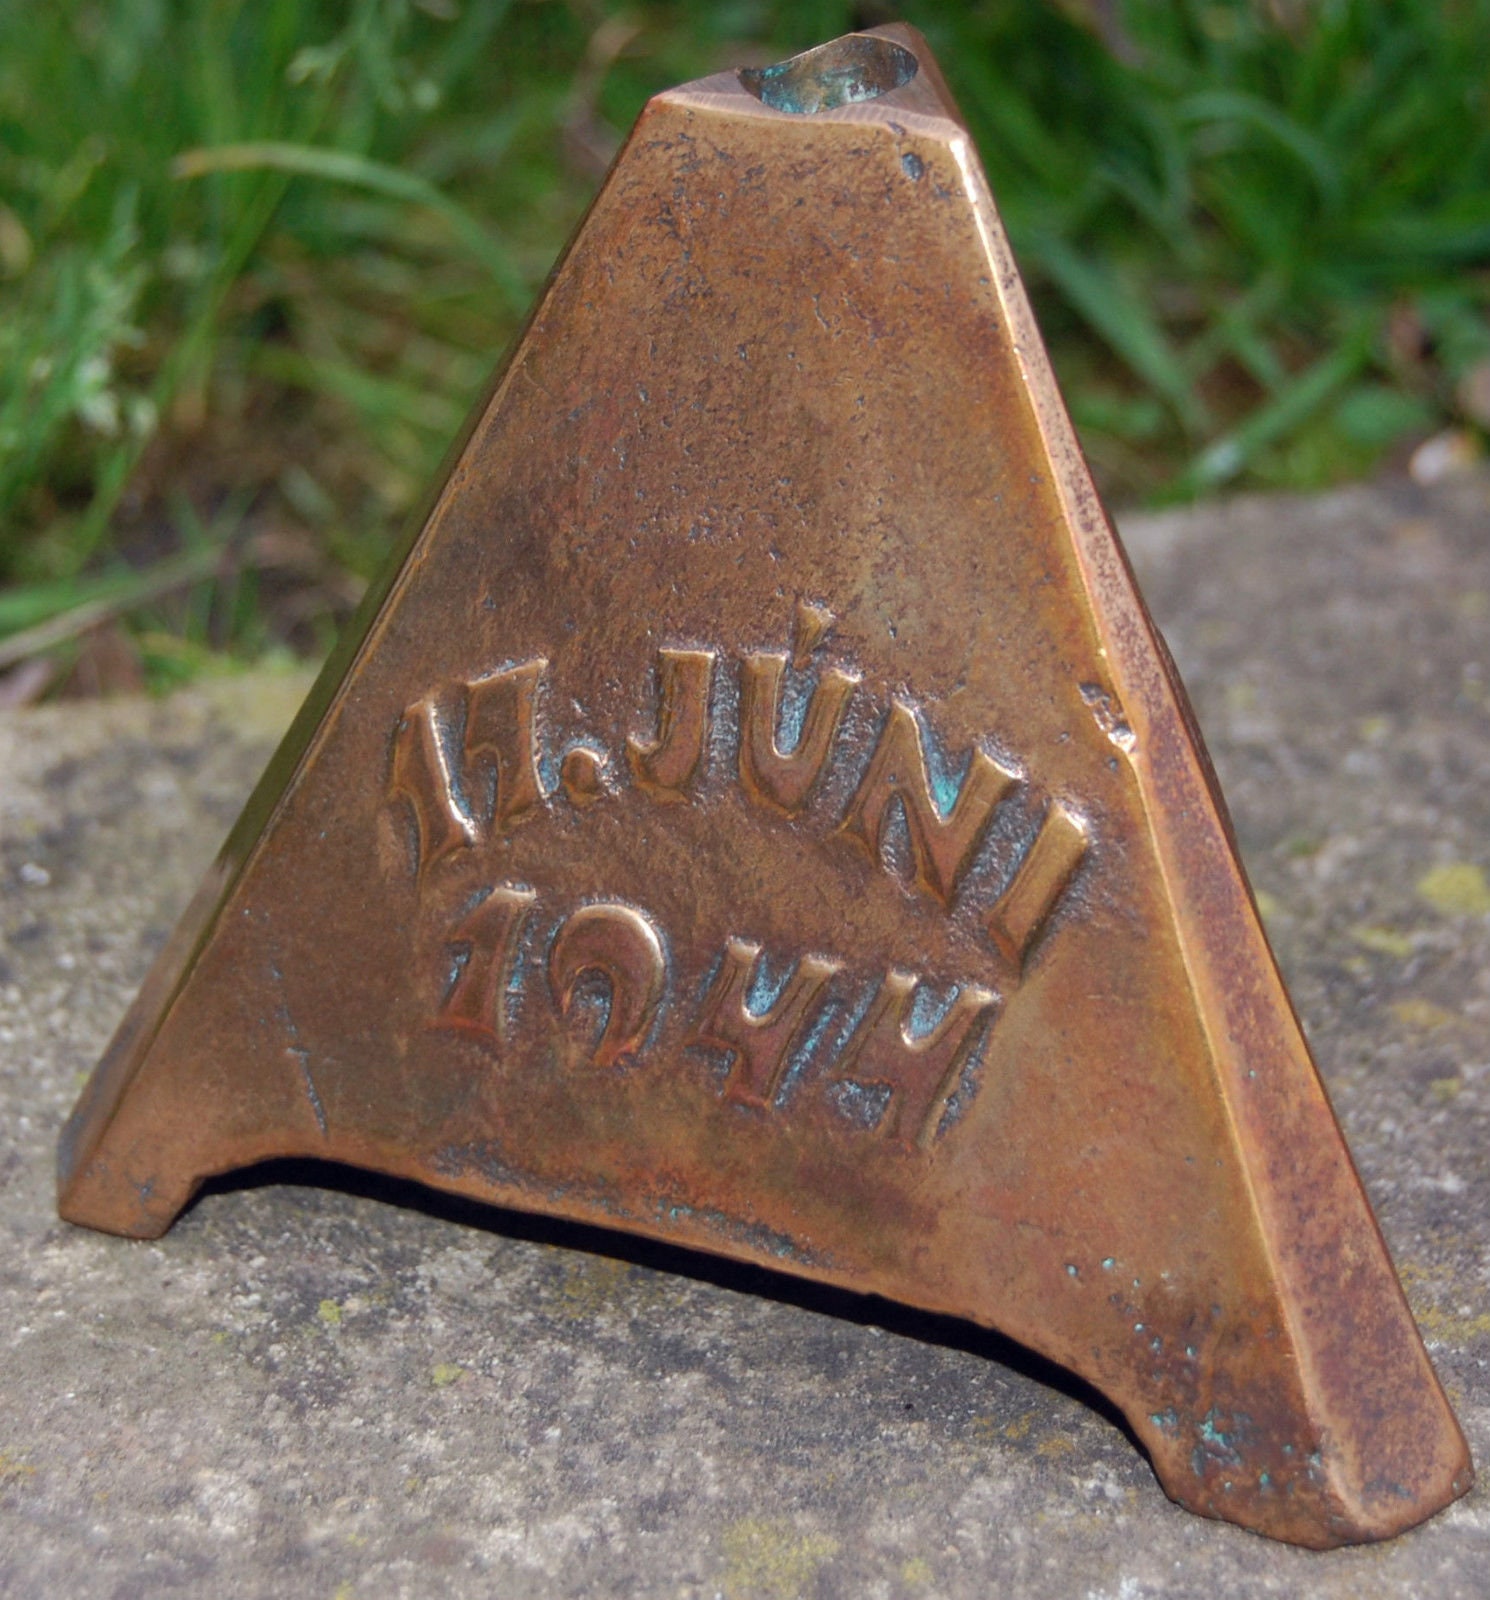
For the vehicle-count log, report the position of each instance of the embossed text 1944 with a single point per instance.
(915, 1074)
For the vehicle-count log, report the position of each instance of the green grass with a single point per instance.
(258, 256)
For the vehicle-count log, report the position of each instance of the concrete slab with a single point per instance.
(354, 1389)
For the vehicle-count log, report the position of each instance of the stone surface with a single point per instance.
(362, 1390)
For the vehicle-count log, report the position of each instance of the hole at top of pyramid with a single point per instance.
(857, 67)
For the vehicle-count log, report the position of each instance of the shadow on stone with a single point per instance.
(906, 1322)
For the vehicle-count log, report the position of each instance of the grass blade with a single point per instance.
(1293, 405)
(342, 166)
(1124, 322)
(111, 598)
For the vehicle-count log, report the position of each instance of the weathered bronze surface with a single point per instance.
(756, 811)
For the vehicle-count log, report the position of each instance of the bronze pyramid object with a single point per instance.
(755, 810)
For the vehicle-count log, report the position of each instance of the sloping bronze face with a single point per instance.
(757, 812)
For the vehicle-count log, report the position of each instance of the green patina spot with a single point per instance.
(844, 72)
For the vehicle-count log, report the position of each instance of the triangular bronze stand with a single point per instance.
(756, 811)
